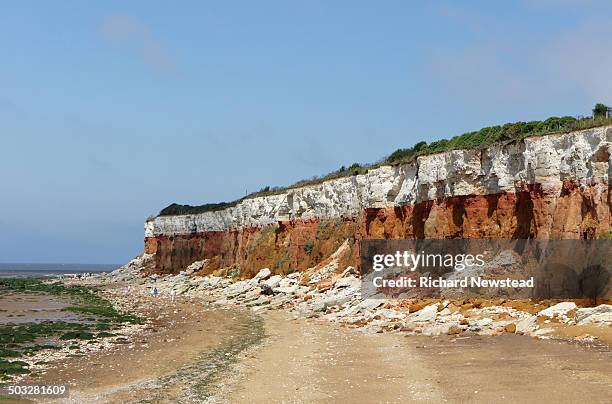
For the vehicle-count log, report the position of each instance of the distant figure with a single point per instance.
(172, 294)
(126, 291)
(154, 291)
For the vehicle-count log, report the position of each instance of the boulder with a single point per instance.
(389, 314)
(262, 274)
(527, 324)
(558, 309)
(590, 315)
(369, 304)
(286, 289)
(428, 313)
(349, 270)
(239, 288)
(349, 281)
(259, 301)
(336, 300)
(287, 282)
(266, 290)
(273, 281)
(195, 266)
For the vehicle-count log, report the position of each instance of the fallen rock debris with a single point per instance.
(336, 296)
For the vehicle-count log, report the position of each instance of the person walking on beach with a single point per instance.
(154, 291)
(172, 294)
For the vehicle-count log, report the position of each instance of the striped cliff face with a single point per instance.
(554, 186)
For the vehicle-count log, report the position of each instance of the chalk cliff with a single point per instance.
(554, 186)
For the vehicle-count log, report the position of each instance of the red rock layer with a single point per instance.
(531, 213)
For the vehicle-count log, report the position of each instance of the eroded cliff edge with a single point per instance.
(554, 186)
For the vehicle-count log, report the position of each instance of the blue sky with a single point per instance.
(111, 110)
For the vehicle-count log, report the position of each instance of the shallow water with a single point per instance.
(8, 270)
(18, 308)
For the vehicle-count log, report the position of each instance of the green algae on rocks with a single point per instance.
(26, 339)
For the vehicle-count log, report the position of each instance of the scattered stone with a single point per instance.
(262, 274)
(427, 313)
(558, 309)
(454, 330)
(266, 290)
(347, 282)
(599, 314)
(527, 325)
(273, 281)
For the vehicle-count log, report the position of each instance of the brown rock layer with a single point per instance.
(574, 213)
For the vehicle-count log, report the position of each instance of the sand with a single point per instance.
(196, 352)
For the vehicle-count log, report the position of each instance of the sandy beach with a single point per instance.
(194, 351)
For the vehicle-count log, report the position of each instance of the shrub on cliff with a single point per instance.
(309, 247)
(469, 140)
(176, 209)
(600, 111)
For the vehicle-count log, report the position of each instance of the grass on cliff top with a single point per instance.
(482, 138)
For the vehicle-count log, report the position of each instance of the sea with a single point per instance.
(39, 270)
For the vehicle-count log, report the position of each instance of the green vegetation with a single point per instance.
(280, 263)
(309, 247)
(12, 368)
(606, 236)
(482, 138)
(19, 340)
(176, 209)
(600, 111)
(87, 301)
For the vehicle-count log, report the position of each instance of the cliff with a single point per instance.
(554, 186)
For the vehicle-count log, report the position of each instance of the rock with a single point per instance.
(181, 288)
(349, 270)
(510, 327)
(287, 282)
(389, 314)
(273, 281)
(349, 281)
(294, 275)
(484, 322)
(428, 313)
(324, 285)
(558, 309)
(262, 274)
(286, 290)
(454, 330)
(266, 290)
(369, 304)
(527, 325)
(444, 312)
(239, 288)
(195, 266)
(334, 300)
(591, 315)
(259, 301)
(252, 293)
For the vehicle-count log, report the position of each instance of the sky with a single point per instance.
(110, 111)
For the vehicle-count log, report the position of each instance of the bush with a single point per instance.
(309, 247)
(600, 111)
(176, 209)
(469, 140)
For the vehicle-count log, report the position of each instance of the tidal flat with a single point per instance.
(41, 317)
